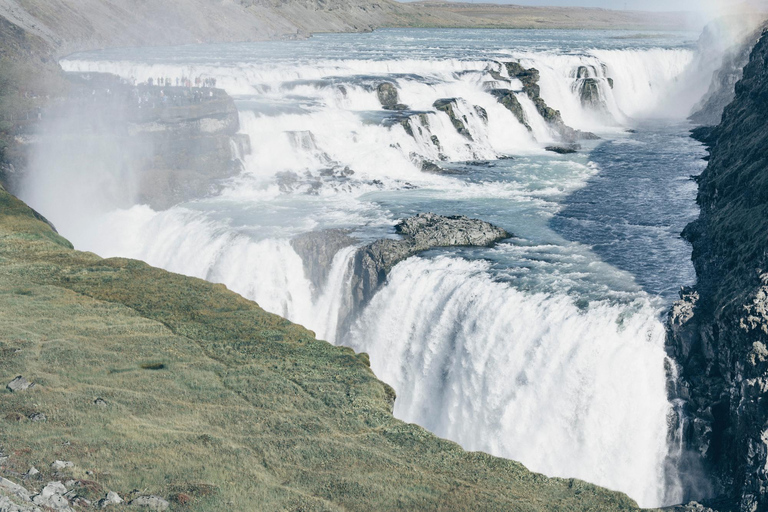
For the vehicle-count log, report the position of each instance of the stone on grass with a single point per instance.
(52, 496)
(61, 464)
(8, 487)
(19, 384)
(112, 498)
(150, 503)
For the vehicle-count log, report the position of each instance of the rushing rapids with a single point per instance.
(546, 348)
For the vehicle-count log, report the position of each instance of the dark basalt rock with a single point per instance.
(420, 233)
(448, 105)
(530, 79)
(433, 168)
(387, 94)
(372, 262)
(510, 101)
(396, 106)
(590, 93)
(718, 332)
(481, 113)
(564, 150)
(317, 250)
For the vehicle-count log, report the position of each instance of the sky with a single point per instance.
(640, 5)
(708, 6)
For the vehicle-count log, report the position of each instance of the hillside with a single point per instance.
(176, 387)
(489, 15)
(70, 25)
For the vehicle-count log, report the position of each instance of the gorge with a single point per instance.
(490, 218)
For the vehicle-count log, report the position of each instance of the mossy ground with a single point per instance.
(213, 401)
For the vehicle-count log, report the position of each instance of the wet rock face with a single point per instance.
(387, 94)
(709, 111)
(510, 101)
(317, 250)
(530, 80)
(388, 97)
(590, 93)
(718, 332)
(420, 233)
(448, 105)
(371, 263)
(168, 144)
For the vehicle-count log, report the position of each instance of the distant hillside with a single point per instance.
(490, 15)
(70, 25)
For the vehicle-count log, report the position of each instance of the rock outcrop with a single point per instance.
(420, 233)
(718, 332)
(459, 121)
(317, 250)
(169, 144)
(530, 80)
(388, 97)
(709, 111)
(510, 101)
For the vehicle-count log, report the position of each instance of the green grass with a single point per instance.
(213, 402)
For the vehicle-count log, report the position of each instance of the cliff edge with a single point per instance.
(123, 378)
(718, 332)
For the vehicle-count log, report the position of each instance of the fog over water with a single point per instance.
(547, 348)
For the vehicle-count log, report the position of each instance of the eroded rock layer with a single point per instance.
(718, 333)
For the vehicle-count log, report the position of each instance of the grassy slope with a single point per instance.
(437, 14)
(246, 402)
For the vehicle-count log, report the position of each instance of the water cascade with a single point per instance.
(534, 350)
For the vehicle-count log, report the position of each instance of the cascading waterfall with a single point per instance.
(538, 352)
(523, 375)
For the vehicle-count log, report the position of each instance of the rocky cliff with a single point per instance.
(721, 92)
(718, 332)
(155, 145)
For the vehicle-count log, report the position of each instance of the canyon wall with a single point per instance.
(718, 332)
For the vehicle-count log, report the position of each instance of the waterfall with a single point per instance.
(567, 376)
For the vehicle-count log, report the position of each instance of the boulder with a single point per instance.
(420, 233)
(388, 97)
(6, 505)
(61, 464)
(19, 384)
(10, 488)
(564, 150)
(52, 497)
(112, 498)
(150, 503)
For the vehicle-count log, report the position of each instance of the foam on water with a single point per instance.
(568, 391)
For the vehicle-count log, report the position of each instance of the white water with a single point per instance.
(526, 376)
(537, 351)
